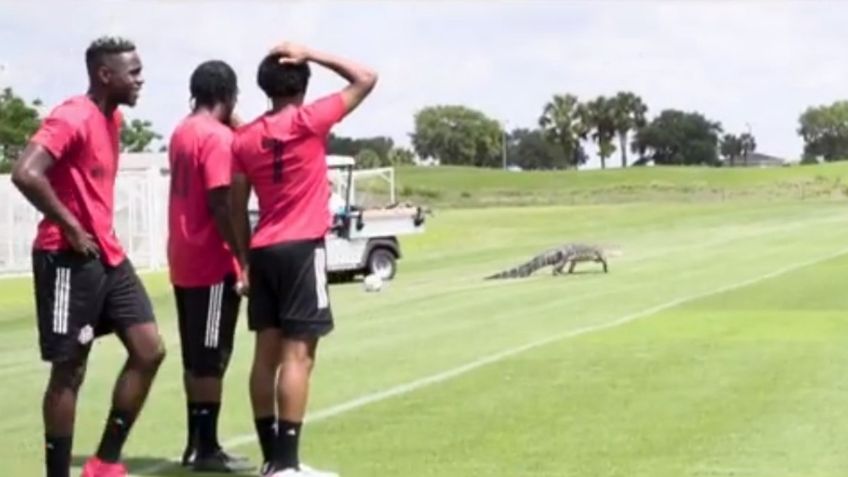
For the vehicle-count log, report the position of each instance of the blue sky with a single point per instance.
(739, 62)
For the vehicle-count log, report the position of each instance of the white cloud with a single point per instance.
(757, 62)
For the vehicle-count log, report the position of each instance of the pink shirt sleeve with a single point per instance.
(59, 131)
(216, 157)
(323, 114)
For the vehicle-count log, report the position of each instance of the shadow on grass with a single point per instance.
(583, 272)
(165, 467)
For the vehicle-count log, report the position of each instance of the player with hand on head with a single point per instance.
(282, 156)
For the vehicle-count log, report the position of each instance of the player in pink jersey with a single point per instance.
(282, 156)
(85, 286)
(203, 269)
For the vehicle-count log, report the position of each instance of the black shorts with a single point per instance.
(207, 317)
(78, 298)
(288, 289)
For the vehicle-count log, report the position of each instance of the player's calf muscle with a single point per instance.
(59, 402)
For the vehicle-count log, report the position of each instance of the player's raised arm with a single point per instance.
(361, 78)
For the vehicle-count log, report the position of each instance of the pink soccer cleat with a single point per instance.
(95, 467)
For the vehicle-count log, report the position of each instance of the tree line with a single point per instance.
(566, 126)
(459, 135)
(20, 119)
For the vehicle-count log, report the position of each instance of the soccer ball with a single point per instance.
(372, 283)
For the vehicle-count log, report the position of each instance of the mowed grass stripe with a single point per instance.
(363, 358)
(460, 282)
(494, 310)
(730, 384)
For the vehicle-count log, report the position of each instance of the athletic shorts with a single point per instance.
(78, 299)
(288, 289)
(207, 318)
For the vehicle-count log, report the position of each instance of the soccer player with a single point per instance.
(282, 155)
(201, 249)
(85, 286)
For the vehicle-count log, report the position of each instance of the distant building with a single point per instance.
(428, 162)
(756, 159)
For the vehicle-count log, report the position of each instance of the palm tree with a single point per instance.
(560, 121)
(747, 145)
(599, 116)
(731, 148)
(629, 111)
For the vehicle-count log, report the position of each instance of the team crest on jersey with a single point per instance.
(86, 334)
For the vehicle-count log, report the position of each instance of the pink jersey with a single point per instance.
(200, 154)
(283, 156)
(85, 145)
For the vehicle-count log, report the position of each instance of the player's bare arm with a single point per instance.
(29, 176)
(240, 196)
(361, 78)
(219, 205)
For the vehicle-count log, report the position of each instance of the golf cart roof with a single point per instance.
(340, 161)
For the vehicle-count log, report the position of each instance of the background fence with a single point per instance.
(141, 215)
(141, 211)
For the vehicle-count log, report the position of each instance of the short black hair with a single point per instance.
(282, 80)
(105, 46)
(213, 82)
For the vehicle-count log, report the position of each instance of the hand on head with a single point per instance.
(291, 52)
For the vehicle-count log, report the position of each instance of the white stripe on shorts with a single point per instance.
(213, 315)
(61, 300)
(321, 278)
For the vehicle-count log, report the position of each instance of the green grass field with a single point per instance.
(471, 187)
(715, 347)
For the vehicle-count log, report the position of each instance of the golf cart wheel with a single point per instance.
(382, 262)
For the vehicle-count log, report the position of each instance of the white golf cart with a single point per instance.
(363, 238)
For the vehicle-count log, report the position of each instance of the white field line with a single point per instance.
(18, 365)
(449, 374)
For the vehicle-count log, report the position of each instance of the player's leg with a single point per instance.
(128, 311)
(180, 299)
(195, 309)
(59, 404)
(305, 317)
(66, 292)
(262, 318)
(59, 413)
(211, 316)
(297, 358)
(145, 353)
(263, 378)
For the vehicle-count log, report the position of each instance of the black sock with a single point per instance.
(191, 422)
(114, 435)
(58, 456)
(286, 446)
(267, 434)
(206, 416)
